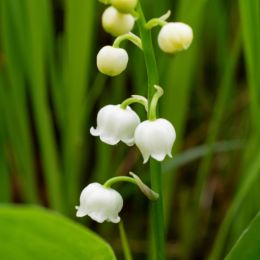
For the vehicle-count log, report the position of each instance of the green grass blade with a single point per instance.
(177, 82)
(252, 175)
(5, 175)
(79, 18)
(197, 152)
(15, 103)
(220, 108)
(39, 95)
(53, 55)
(219, 111)
(247, 246)
(5, 178)
(250, 21)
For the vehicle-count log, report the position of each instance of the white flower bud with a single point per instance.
(112, 61)
(124, 6)
(175, 37)
(117, 23)
(116, 124)
(155, 139)
(100, 203)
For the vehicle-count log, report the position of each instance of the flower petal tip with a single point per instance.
(145, 160)
(80, 213)
(116, 220)
(94, 131)
(109, 140)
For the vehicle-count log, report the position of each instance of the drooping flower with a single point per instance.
(115, 124)
(124, 6)
(155, 138)
(175, 37)
(112, 61)
(100, 203)
(117, 23)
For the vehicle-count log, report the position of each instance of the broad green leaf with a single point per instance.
(247, 247)
(32, 233)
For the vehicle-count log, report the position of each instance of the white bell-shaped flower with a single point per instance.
(155, 138)
(117, 23)
(100, 203)
(175, 37)
(115, 124)
(112, 61)
(124, 6)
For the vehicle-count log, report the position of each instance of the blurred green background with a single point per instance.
(50, 92)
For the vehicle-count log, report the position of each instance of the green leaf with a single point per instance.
(35, 233)
(247, 246)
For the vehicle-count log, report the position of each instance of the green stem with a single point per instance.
(124, 241)
(135, 99)
(161, 21)
(154, 102)
(114, 180)
(155, 167)
(155, 22)
(130, 37)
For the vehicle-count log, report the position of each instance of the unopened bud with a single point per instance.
(117, 23)
(175, 37)
(112, 61)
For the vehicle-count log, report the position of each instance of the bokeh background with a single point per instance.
(51, 90)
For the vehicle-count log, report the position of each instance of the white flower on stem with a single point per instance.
(100, 203)
(155, 138)
(117, 23)
(124, 6)
(115, 124)
(175, 37)
(112, 61)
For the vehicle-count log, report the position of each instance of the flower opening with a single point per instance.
(115, 124)
(100, 203)
(155, 138)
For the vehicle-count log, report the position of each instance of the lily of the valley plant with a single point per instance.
(116, 123)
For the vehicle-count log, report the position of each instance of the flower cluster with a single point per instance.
(154, 137)
(118, 20)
